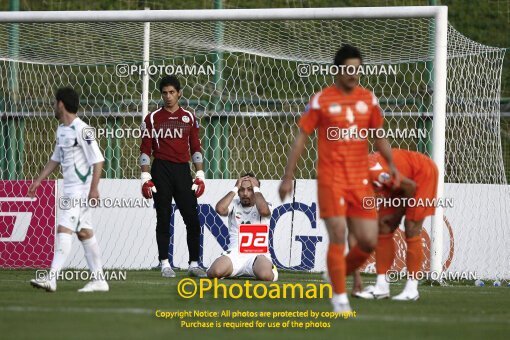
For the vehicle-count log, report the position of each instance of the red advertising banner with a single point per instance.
(27, 225)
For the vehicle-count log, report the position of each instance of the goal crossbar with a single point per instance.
(268, 14)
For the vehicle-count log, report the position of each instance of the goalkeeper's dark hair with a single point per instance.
(69, 97)
(345, 52)
(170, 81)
(252, 175)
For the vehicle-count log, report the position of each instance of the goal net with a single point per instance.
(248, 83)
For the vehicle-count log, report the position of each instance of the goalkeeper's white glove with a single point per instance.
(148, 186)
(199, 184)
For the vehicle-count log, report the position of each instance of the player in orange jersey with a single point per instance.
(418, 186)
(342, 171)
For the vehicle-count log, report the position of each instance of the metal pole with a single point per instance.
(146, 57)
(14, 146)
(439, 132)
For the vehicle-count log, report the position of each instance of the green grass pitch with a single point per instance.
(460, 311)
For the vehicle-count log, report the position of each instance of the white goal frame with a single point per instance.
(438, 13)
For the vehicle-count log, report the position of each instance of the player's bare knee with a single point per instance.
(336, 229)
(265, 275)
(211, 273)
(215, 272)
(385, 229)
(367, 244)
(412, 228)
(337, 235)
(85, 234)
(64, 230)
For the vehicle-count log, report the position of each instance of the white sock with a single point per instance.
(62, 250)
(381, 282)
(165, 264)
(193, 264)
(340, 298)
(93, 256)
(411, 285)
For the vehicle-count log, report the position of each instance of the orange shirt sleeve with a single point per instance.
(310, 118)
(376, 116)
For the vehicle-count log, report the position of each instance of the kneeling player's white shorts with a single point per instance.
(74, 216)
(242, 264)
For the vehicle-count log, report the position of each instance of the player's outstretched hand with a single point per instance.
(285, 188)
(33, 188)
(199, 184)
(148, 186)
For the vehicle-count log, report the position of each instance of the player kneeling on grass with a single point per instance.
(419, 177)
(82, 163)
(249, 208)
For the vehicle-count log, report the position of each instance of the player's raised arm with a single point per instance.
(260, 201)
(224, 203)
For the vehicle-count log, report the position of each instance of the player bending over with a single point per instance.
(419, 176)
(249, 208)
(342, 169)
(82, 163)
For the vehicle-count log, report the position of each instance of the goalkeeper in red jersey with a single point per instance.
(171, 137)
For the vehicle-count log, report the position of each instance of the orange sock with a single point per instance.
(336, 267)
(384, 253)
(414, 254)
(355, 259)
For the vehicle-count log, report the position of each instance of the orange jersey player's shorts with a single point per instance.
(342, 202)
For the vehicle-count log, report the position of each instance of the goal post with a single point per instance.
(439, 130)
(249, 105)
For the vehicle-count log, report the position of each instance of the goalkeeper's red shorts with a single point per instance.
(339, 202)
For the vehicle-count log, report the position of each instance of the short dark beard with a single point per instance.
(247, 205)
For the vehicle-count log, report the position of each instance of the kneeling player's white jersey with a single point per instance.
(76, 156)
(237, 215)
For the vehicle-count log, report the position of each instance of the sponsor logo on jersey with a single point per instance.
(361, 107)
(384, 177)
(335, 109)
(376, 167)
(253, 239)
